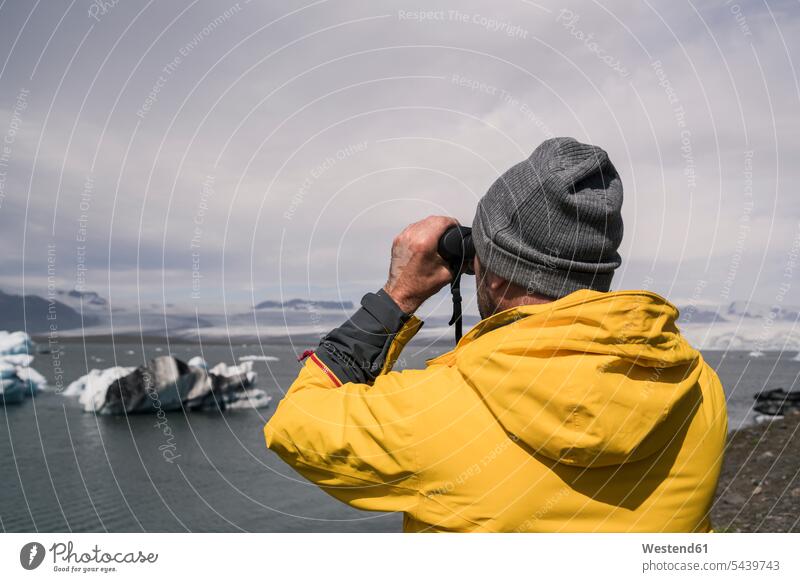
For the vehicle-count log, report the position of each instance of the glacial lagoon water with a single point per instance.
(66, 470)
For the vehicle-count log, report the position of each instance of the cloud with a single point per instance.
(324, 130)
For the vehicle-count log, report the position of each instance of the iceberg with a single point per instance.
(19, 360)
(166, 384)
(32, 377)
(12, 389)
(245, 370)
(17, 378)
(258, 359)
(95, 382)
(198, 362)
(251, 399)
(14, 343)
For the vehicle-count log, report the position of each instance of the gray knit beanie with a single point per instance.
(552, 223)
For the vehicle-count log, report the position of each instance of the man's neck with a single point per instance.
(516, 297)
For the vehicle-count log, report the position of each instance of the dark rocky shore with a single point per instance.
(759, 489)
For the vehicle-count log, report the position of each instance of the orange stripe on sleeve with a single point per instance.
(325, 369)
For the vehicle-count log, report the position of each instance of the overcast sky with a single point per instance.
(273, 149)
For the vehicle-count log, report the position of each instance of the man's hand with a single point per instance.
(417, 271)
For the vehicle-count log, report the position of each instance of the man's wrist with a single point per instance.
(406, 304)
(356, 351)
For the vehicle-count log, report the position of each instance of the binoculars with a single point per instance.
(458, 251)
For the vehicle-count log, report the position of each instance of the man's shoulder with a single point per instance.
(432, 379)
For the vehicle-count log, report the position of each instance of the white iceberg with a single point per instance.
(198, 362)
(31, 376)
(17, 342)
(7, 370)
(244, 369)
(167, 383)
(255, 398)
(17, 378)
(12, 391)
(19, 360)
(258, 359)
(91, 387)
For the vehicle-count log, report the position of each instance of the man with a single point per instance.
(567, 408)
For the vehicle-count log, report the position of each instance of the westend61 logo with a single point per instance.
(67, 559)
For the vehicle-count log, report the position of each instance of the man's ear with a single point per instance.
(497, 283)
(492, 281)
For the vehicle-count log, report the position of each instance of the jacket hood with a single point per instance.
(593, 379)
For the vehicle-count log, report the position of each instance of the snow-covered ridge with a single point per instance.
(749, 309)
(306, 305)
(738, 325)
(742, 325)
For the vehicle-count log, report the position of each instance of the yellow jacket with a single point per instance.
(590, 413)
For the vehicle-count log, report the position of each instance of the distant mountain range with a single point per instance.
(36, 314)
(294, 317)
(306, 305)
(743, 325)
(738, 310)
(88, 297)
(739, 325)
